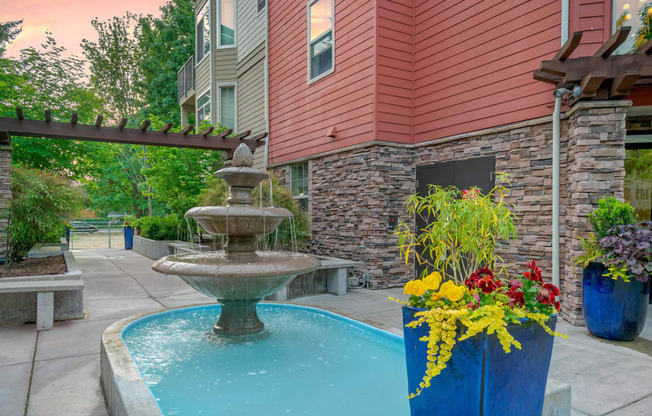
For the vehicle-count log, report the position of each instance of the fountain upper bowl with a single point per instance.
(240, 220)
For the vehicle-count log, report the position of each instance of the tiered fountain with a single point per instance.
(240, 276)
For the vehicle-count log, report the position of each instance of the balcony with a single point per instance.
(186, 82)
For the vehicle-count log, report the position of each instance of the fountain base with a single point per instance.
(238, 317)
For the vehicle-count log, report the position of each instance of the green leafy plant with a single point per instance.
(160, 228)
(610, 213)
(41, 207)
(465, 228)
(592, 251)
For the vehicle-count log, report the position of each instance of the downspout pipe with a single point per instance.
(556, 134)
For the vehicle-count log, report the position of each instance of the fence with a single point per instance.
(96, 233)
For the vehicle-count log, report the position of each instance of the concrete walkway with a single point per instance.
(56, 372)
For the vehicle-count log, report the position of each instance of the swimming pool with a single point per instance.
(307, 362)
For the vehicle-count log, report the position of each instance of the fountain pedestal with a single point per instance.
(240, 276)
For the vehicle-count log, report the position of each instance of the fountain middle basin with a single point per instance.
(307, 362)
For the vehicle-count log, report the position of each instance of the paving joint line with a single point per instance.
(627, 405)
(136, 280)
(31, 375)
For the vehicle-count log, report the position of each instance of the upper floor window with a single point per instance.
(261, 5)
(226, 23)
(320, 38)
(638, 15)
(203, 25)
(299, 180)
(204, 107)
(227, 106)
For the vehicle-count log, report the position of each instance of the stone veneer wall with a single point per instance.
(354, 191)
(5, 193)
(596, 167)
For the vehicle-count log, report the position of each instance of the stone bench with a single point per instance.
(45, 296)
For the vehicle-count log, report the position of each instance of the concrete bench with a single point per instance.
(44, 296)
(336, 273)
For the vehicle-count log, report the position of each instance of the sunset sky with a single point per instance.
(68, 20)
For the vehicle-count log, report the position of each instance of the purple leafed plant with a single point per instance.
(628, 250)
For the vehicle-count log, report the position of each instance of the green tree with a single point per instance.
(168, 42)
(42, 80)
(114, 64)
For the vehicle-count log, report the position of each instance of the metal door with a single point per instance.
(463, 174)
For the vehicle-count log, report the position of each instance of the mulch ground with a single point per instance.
(35, 267)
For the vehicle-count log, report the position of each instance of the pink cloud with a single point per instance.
(68, 20)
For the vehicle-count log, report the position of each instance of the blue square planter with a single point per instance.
(480, 379)
(613, 309)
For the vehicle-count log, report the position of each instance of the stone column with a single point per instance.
(595, 168)
(5, 193)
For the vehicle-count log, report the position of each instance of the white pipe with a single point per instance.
(266, 75)
(556, 133)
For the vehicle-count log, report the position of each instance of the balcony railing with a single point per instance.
(186, 77)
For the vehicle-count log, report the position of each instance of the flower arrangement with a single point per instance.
(484, 303)
(129, 221)
(618, 242)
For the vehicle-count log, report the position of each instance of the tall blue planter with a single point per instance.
(480, 379)
(129, 237)
(613, 309)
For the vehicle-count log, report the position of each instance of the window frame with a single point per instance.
(259, 11)
(206, 54)
(305, 197)
(332, 30)
(218, 25)
(210, 99)
(235, 102)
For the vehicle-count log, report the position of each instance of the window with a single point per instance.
(261, 5)
(227, 106)
(320, 38)
(204, 107)
(638, 180)
(634, 13)
(226, 23)
(203, 25)
(299, 179)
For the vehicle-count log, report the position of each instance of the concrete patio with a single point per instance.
(56, 372)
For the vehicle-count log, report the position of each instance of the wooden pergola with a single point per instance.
(21, 126)
(601, 76)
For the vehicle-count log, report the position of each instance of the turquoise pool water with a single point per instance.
(308, 362)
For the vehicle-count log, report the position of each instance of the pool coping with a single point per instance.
(126, 392)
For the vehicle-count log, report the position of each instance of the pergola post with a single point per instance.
(595, 168)
(5, 193)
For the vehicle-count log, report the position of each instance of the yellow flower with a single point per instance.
(414, 287)
(449, 290)
(432, 281)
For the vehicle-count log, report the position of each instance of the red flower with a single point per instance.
(483, 279)
(517, 299)
(470, 193)
(547, 295)
(473, 305)
(535, 272)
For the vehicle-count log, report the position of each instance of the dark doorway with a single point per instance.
(463, 174)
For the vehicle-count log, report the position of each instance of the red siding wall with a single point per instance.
(395, 57)
(302, 114)
(474, 63)
(593, 17)
(410, 71)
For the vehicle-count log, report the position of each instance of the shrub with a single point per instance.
(160, 228)
(610, 213)
(41, 207)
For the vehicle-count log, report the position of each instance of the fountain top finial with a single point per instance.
(243, 156)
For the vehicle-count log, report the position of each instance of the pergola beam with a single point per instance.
(569, 47)
(613, 42)
(38, 128)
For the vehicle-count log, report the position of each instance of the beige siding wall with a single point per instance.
(251, 97)
(250, 27)
(202, 76)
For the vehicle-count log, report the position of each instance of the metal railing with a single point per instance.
(186, 77)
